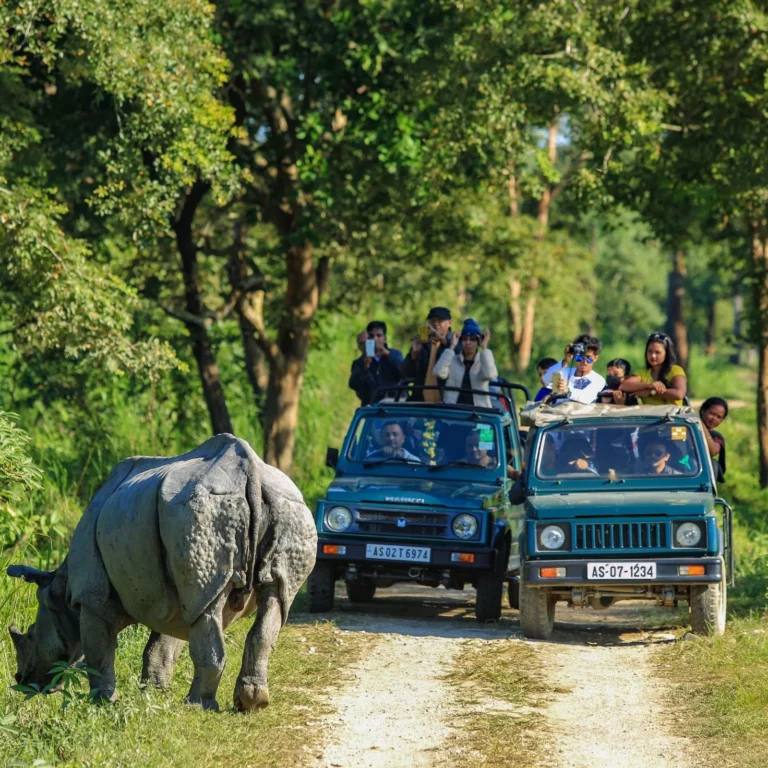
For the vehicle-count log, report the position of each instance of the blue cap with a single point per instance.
(471, 328)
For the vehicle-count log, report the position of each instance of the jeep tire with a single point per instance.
(513, 594)
(490, 588)
(708, 608)
(360, 590)
(537, 612)
(320, 588)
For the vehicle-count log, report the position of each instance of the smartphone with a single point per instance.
(556, 376)
(424, 333)
(370, 347)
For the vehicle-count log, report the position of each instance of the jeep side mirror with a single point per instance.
(331, 457)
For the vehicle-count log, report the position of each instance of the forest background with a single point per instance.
(201, 205)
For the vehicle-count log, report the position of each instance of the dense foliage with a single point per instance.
(201, 204)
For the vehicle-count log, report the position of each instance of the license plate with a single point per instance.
(397, 552)
(623, 570)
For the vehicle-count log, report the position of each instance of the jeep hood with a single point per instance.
(414, 492)
(620, 504)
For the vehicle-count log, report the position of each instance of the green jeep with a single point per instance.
(421, 495)
(620, 504)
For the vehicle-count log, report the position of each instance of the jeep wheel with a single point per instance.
(708, 606)
(320, 588)
(490, 588)
(361, 590)
(513, 594)
(537, 612)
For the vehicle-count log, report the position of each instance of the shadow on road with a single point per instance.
(417, 611)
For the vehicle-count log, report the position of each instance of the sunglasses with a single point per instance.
(584, 359)
(658, 337)
(655, 453)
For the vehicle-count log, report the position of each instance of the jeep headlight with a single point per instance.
(464, 526)
(552, 537)
(688, 535)
(338, 519)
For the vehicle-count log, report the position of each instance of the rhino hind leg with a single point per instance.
(160, 656)
(252, 689)
(99, 640)
(206, 649)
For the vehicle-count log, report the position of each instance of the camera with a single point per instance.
(578, 351)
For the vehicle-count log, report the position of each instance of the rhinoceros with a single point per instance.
(184, 545)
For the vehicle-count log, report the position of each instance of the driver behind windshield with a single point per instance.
(656, 455)
(576, 456)
(392, 439)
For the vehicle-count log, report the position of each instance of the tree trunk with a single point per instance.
(515, 321)
(514, 201)
(249, 305)
(526, 342)
(281, 412)
(676, 326)
(546, 198)
(711, 328)
(738, 313)
(521, 322)
(255, 364)
(213, 391)
(760, 288)
(288, 355)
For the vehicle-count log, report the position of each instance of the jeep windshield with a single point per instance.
(429, 442)
(623, 450)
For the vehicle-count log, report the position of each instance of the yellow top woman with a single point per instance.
(662, 382)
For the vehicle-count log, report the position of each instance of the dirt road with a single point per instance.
(604, 705)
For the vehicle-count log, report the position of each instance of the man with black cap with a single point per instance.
(417, 361)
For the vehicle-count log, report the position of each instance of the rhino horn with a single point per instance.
(33, 575)
(16, 634)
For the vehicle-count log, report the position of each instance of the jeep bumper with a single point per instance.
(667, 572)
(441, 555)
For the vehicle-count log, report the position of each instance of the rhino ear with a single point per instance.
(16, 634)
(41, 578)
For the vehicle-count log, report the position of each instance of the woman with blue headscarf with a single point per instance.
(473, 368)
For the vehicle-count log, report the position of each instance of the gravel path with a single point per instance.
(388, 716)
(606, 706)
(610, 710)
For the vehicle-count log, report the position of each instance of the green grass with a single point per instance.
(153, 728)
(721, 692)
(497, 685)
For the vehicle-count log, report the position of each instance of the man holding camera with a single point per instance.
(578, 382)
(436, 333)
(378, 367)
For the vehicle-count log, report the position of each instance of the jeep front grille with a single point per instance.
(416, 523)
(620, 536)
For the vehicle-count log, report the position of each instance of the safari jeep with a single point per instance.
(620, 503)
(421, 496)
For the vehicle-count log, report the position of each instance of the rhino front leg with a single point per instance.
(252, 689)
(160, 656)
(99, 640)
(206, 649)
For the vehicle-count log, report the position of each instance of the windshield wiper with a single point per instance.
(435, 467)
(401, 459)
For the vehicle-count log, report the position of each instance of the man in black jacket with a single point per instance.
(378, 371)
(416, 364)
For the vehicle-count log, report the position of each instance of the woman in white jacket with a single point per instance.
(473, 368)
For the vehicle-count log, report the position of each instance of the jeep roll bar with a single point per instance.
(409, 389)
(403, 393)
